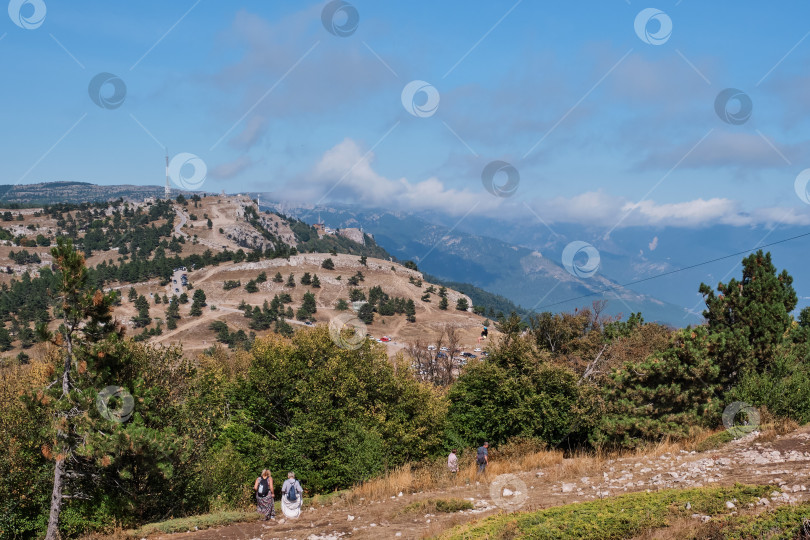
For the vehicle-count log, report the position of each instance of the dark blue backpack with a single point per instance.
(292, 494)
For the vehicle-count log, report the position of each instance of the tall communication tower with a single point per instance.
(167, 192)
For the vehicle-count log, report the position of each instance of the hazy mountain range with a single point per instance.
(531, 276)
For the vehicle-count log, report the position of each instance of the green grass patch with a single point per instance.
(783, 523)
(224, 517)
(612, 518)
(204, 521)
(436, 506)
(717, 440)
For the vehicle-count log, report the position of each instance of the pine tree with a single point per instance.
(316, 283)
(86, 321)
(5, 340)
(290, 281)
(173, 313)
(752, 316)
(306, 279)
(443, 303)
(366, 313)
(363, 260)
(198, 303)
(143, 318)
(309, 304)
(410, 310)
(328, 264)
(199, 297)
(277, 278)
(462, 304)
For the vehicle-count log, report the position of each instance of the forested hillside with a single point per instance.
(136, 433)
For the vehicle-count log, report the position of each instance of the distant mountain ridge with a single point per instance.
(72, 192)
(522, 275)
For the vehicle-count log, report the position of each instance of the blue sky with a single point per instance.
(604, 128)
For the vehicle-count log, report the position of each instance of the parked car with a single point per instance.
(385, 339)
(444, 349)
(431, 347)
(441, 355)
(477, 349)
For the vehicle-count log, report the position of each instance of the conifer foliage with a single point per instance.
(84, 336)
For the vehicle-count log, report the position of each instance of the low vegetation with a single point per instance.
(437, 506)
(614, 518)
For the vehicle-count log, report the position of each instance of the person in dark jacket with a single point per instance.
(483, 458)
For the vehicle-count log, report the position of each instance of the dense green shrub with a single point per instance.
(783, 388)
(337, 415)
(668, 394)
(517, 392)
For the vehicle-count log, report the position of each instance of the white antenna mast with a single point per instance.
(167, 192)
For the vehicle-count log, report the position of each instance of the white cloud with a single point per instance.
(654, 244)
(345, 173)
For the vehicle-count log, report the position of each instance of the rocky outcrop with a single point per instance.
(354, 234)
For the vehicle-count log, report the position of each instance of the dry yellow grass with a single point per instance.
(515, 458)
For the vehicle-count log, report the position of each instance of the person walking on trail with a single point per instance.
(265, 503)
(292, 495)
(452, 462)
(483, 458)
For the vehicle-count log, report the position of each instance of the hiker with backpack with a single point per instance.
(292, 495)
(452, 462)
(483, 458)
(265, 501)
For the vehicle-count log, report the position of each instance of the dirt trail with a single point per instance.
(784, 461)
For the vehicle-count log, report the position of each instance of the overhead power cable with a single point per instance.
(670, 272)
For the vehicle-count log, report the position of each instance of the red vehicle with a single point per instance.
(385, 338)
